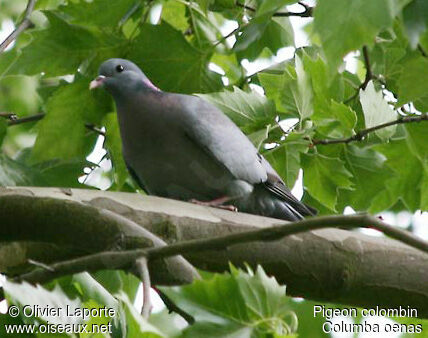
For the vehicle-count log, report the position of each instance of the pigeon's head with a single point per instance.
(119, 76)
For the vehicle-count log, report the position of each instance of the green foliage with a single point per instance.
(320, 183)
(186, 70)
(49, 68)
(256, 305)
(356, 23)
(376, 111)
(250, 111)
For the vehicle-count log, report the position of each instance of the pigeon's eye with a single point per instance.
(119, 68)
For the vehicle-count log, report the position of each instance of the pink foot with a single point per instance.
(217, 203)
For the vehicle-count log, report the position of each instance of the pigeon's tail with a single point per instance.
(265, 203)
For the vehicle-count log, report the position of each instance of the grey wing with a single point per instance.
(276, 185)
(213, 130)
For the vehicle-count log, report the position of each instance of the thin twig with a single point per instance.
(422, 50)
(306, 14)
(143, 269)
(224, 38)
(37, 117)
(118, 259)
(40, 265)
(95, 129)
(362, 133)
(130, 12)
(25, 23)
(172, 307)
(31, 118)
(369, 75)
(9, 116)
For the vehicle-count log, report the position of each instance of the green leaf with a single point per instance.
(62, 133)
(273, 85)
(13, 173)
(405, 183)
(415, 17)
(355, 23)
(335, 120)
(256, 304)
(250, 111)
(174, 13)
(185, 70)
(26, 294)
(113, 144)
(135, 325)
(102, 13)
(290, 89)
(61, 173)
(324, 88)
(262, 31)
(62, 47)
(118, 281)
(424, 190)
(369, 175)
(377, 111)
(274, 34)
(416, 140)
(302, 91)
(285, 159)
(48, 4)
(3, 129)
(18, 94)
(323, 177)
(205, 4)
(413, 86)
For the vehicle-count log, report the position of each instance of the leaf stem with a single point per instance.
(25, 23)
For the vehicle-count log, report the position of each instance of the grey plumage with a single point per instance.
(183, 147)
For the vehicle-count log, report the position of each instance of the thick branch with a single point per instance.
(331, 265)
(224, 242)
(363, 133)
(84, 228)
(25, 23)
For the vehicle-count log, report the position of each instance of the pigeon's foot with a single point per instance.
(217, 203)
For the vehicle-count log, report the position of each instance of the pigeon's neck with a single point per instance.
(147, 84)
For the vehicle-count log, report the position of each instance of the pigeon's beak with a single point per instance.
(98, 82)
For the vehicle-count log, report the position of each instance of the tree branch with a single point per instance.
(359, 136)
(224, 38)
(422, 50)
(25, 23)
(329, 265)
(14, 120)
(306, 14)
(224, 242)
(31, 118)
(172, 307)
(85, 228)
(9, 116)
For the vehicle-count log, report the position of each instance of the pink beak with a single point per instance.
(98, 82)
